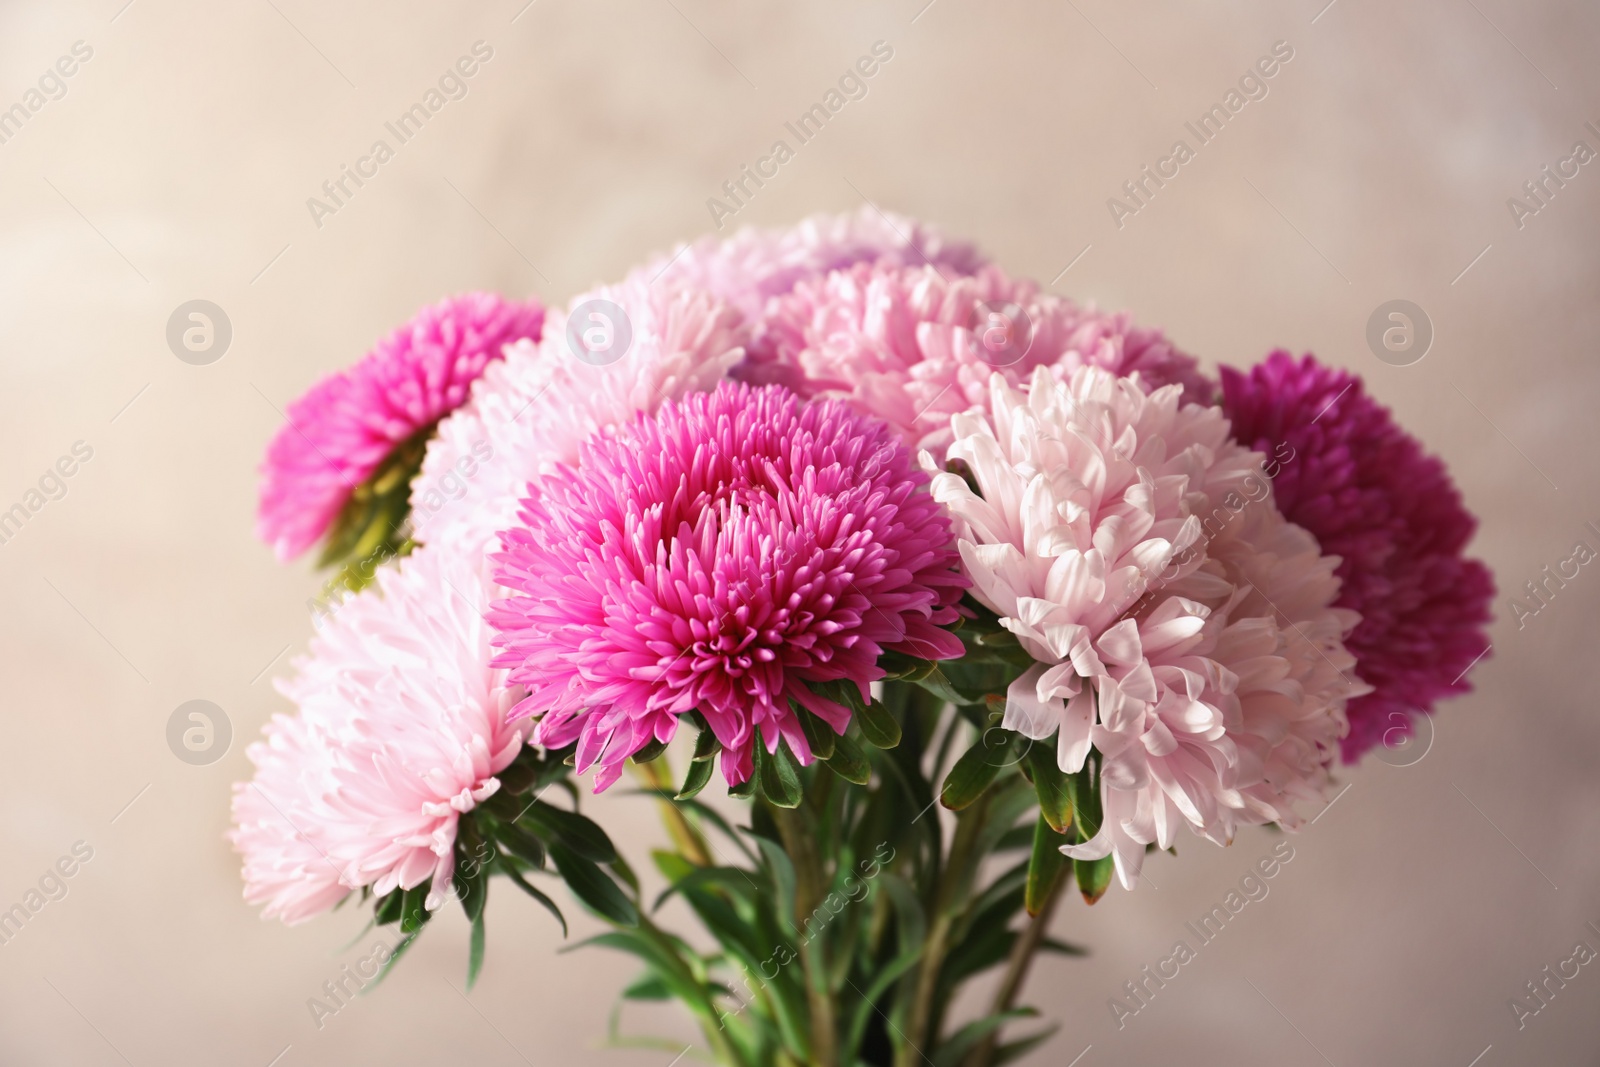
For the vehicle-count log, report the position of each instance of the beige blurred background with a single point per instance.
(177, 166)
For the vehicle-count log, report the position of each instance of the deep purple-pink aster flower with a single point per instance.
(346, 425)
(718, 556)
(1368, 492)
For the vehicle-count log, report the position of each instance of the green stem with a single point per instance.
(1022, 953)
(800, 842)
(921, 1013)
(657, 774)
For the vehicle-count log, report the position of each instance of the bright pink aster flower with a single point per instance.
(719, 555)
(915, 345)
(1370, 495)
(346, 425)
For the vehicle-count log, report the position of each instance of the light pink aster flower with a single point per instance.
(1183, 630)
(534, 411)
(754, 265)
(721, 556)
(401, 728)
(346, 425)
(915, 345)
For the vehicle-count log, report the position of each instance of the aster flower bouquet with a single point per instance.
(968, 594)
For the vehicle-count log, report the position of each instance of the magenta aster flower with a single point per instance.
(346, 425)
(1367, 491)
(915, 345)
(720, 555)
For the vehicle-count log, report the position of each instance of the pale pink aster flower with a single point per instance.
(1133, 549)
(534, 411)
(401, 729)
(721, 556)
(915, 345)
(343, 428)
(754, 265)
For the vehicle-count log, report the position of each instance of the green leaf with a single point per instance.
(592, 886)
(879, 726)
(1094, 877)
(849, 762)
(520, 843)
(648, 986)
(1051, 784)
(781, 870)
(1045, 867)
(578, 832)
(779, 773)
(745, 789)
(412, 912)
(536, 894)
(518, 777)
(964, 1040)
(388, 964)
(475, 952)
(819, 735)
(974, 772)
(1015, 1050)
(696, 779)
(388, 909)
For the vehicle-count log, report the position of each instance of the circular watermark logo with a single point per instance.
(599, 332)
(199, 332)
(1406, 741)
(198, 732)
(1003, 332)
(1399, 333)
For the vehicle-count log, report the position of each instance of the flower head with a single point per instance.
(346, 425)
(754, 265)
(1370, 495)
(401, 728)
(914, 345)
(719, 556)
(534, 411)
(1181, 629)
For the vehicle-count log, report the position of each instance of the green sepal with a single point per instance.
(412, 911)
(849, 762)
(977, 769)
(878, 725)
(698, 775)
(819, 735)
(1051, 784)
(1045, 867)
(706, 746)
(520, 843)
(650, 751)
(1094, 877)
(388, 909)
(779, 774)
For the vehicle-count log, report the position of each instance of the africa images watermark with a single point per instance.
(52, 486)
(452, 85)
(51, 86)
(1542, 990)
(1542, 590)
(830, 908)
(852, 86)
(1542, 188)
(1252, 85)
(52, 886)
(1253, 888)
